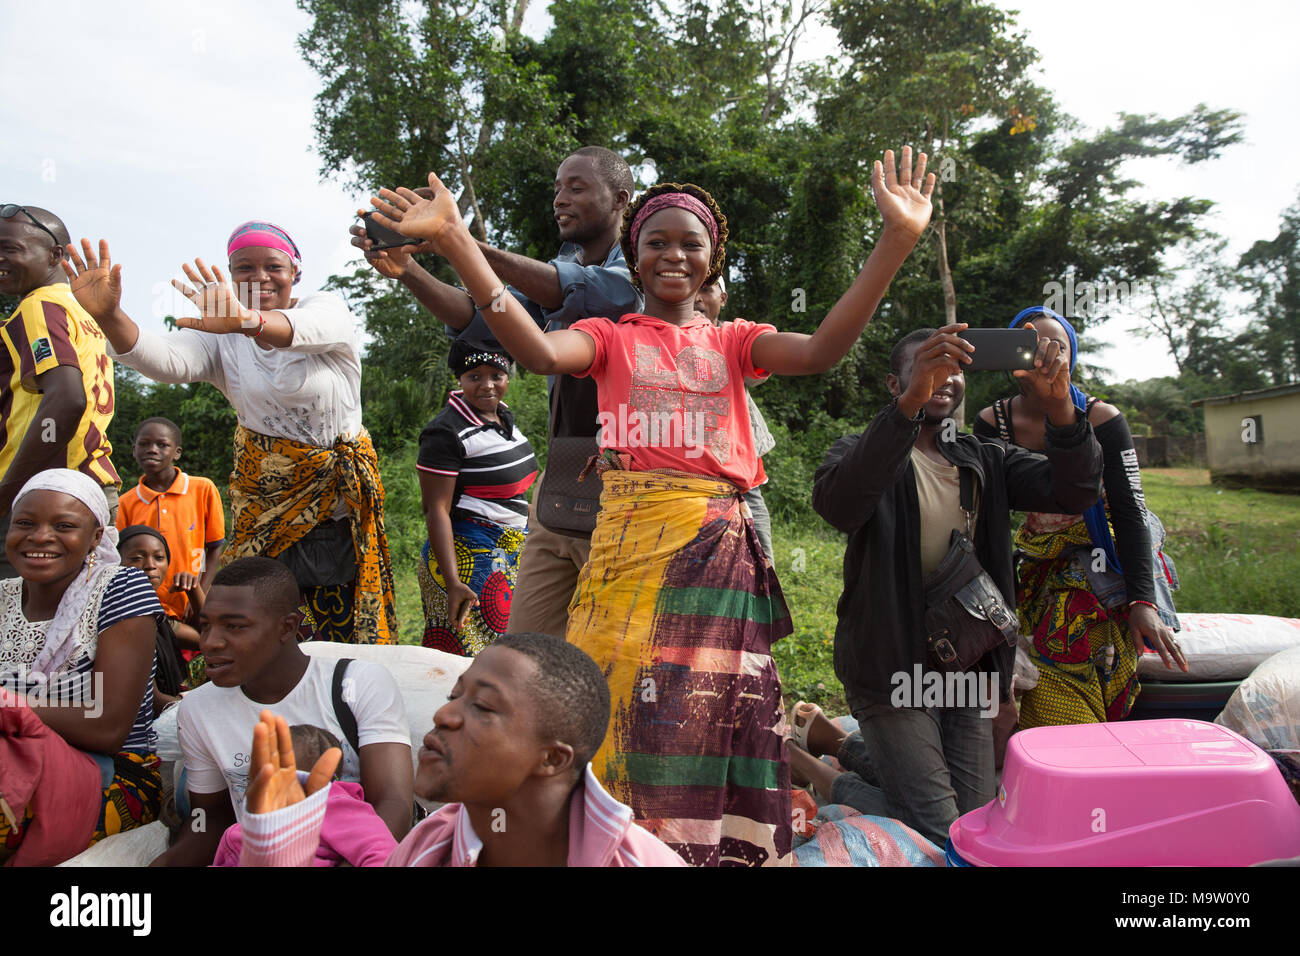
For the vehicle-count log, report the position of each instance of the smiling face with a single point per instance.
(156, 449)
(584, 205)
(28, 258)
(672, 255)
(484, 744)
(238, 636)
(50, 536)
(147, 553)
(270, 269)
(485, 386)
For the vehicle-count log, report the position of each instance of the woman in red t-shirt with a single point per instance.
(677, 602)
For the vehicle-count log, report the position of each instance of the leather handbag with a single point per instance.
(567, 500)
(567, 503)
(965, 613)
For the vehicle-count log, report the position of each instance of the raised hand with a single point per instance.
(96, 282)
(274, 774)
(436, 219)
(220, 310)
(188, 582)
(903, 195)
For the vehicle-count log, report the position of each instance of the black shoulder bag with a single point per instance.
(567, 502)
(965, 614)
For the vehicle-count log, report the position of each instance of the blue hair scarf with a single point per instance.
(1094, 517)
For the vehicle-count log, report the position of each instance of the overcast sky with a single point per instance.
(162, 125)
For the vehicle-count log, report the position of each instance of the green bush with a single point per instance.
(791, 464)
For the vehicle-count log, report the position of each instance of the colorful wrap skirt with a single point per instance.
(487, 561)
(1087, 665)
(281, 489)
(680, 609)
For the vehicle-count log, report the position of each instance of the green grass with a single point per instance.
(404, 524)
(809, 562)
(1235, 551)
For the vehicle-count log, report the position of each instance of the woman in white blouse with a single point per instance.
(306, 478)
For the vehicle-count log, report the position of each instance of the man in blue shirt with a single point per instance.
(587, 278)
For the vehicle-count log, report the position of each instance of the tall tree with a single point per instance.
(934, 72)
(1271, 270)
(409, 87)
(1187, 309)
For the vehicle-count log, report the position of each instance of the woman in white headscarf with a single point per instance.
(77, 630)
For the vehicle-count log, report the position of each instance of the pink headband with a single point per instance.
(265, 235)
(683, 200)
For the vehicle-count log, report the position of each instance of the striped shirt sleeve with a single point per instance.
(129, 595)
(49, 338)
(287, 837)
(441, 451)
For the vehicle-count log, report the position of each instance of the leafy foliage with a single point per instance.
(1271, 271)
(711, 93)
(206, 420)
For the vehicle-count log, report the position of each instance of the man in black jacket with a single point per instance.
(894, 490)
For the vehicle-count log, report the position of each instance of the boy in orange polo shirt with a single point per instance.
(185, 508)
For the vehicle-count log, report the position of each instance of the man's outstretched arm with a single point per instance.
(540, 281)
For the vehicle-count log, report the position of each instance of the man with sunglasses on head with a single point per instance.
(56, 381)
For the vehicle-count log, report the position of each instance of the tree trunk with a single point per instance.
(945, 271)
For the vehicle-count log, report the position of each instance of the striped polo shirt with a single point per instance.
(492, 462)
(48, 329)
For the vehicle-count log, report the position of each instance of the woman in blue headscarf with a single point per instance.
(1088, 586)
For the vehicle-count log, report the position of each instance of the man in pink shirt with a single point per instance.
(509, 750)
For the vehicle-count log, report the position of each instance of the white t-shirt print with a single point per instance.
(215, 724)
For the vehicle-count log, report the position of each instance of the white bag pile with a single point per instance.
(1223, 647)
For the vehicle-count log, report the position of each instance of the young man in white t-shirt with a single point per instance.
(248, 635)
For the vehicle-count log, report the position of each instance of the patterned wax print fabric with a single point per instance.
(1087, 666)
(282, 489)
(680, 609)
(487, 560)
(133, 799)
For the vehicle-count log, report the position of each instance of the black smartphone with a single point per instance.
(1000, 349)
(385, 238)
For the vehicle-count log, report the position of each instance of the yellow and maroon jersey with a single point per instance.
(48, 329)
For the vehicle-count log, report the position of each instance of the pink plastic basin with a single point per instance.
(1143, 793)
